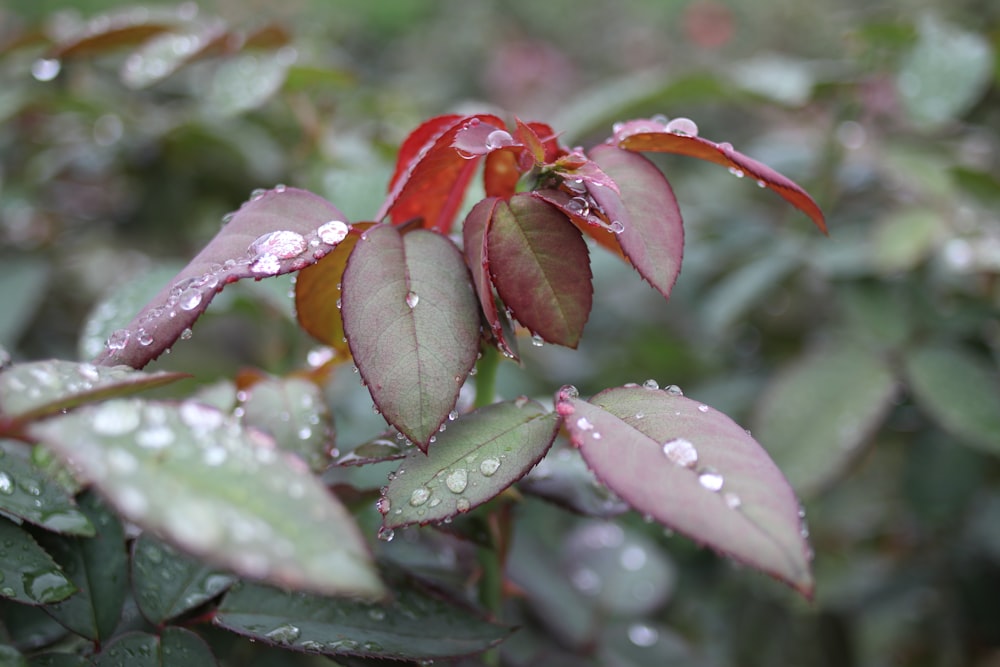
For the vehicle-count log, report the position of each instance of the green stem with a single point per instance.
(486, 376)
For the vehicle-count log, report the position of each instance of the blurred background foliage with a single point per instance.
(867, 362)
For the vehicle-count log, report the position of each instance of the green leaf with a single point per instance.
(816, 414)
(904, 239)
(22, 283)
(652, 232)
(27, 573)
(29, 628)
(168, 52)
(175, 647)
(415, 625)
(195, 476)
(541, 268)
(39, 388)
(11, 657)
(959, 390)
(945, 73)
(294, 412)
(30, 494)
(695, 470)
(244, 83)
(59, 660)
(475, 459)
(412, 323)
(275, 232)
(168, 583)
(98, 567)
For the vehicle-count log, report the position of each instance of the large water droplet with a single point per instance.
(584, 424)
(189, 299)
(710, 479)
(650, 384)
(457, 480)
(578, 206)
(681, 452)
(412, 299)
(684, 126)
(46, 69)
(283, 244)
(6, 484)
(489, 466)
(333, 232)
(498, 139)
(284, 634)
(266, 265)
(419, 496)
(674, 390)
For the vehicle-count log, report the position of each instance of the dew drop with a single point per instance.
(116, 418)
(385, 534)
(189, 299)
(703, 408)
(463, 505)
(186, 334)
(333, 232)
(586, 581)
(761, 183)
(453, 415)
(683, 126)
(419, 496)
(280, 187)
(412, 299)
(284, 634)
(45, 69)
(156, 437)
(283, 244)
(144, 338)
(6, 484)
(498, 139)
(489, 466)
(633, 558)
(710, 479)
(642, 635)
(584, 424)
(457, 480)
(617, 227)
(674, 390)
(681, 452)
(738, 173)
(733, 501)
(266, 265)
(537, 340)
(578, 206)
(650, 384)
(118, 340)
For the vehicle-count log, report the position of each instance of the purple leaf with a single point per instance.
(412, 323)
(695, 470)
(474, 238)
(275, 232)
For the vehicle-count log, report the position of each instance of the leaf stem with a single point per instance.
(486, 376)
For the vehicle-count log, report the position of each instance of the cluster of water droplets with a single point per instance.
(583, 206)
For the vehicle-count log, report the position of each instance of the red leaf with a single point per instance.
(577, 210)
(649, 135)
(549, 140)
(474, 238)
(501, 174)
(431, 176)
(649, 226)
(541, 268)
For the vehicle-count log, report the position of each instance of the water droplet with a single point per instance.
(498, 139)
(617, 227)
(457, 480)
(578, 206)
(453, 415)
(122, 462)
(6, 484)
(738, 173)
(584, 424)
(761, 183)
(674, 390)
(651, 384)
(144, 337)
(733, 501)
(419, 496)
(118, 340)
(537, 340)
(186, 334)
(412, 299)
(280, 187)
(333, 232)
(703, 408)
(710, 479)
(568, 391)
(116, 418)
(643, 635)
(284, 634)
(155, 437)
(266, 265)
(489, 466)
(684, 126)
(463, 505)
(681, 452)
(189, 299)
(282, 244)
(383, 505)
(46, 69)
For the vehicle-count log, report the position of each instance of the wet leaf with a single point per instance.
(652, 232)
(11, 657)
(591, 225)
(97, 566)
(317, 294)
(412, 323)
(415, 625)
(168, 583)
(959, 390)
(59, 660)
(474, 240)
(694, 470)
(431, 176)
(27, 573)
(563, 478)
(196, 477)
(294, 412)
(649, 135)
(541, 268)
(476, 458)
(30, 494)
(816, 414)
(168, 52)
(35, 389)
(386, 447)
(110, 31)
(175, 647)
(275, 232)
(245, 82)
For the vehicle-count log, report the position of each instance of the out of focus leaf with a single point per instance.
(245, 82)
(476, 458)
(541, 268)
(27, 573)
(277, 231)
(959, 390)
(110, 31)
(175, 647)
(196, 477)
(904, 239)
(29, 494)
(413, 626)
(817, 413)
(22, 284)
(785, 80)
(563, 478)
(168, 52)
(695, 470)
(412, 322)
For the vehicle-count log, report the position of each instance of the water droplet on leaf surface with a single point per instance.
(333, 232)
(118, 340)
(116, 418)
(45, 69)
(710, 479)
(489, 466)
(651, 384)
(681, 452)
(412, 299)
(419, 496)
(284, 634)
(642, 635)
(457, 480)
(683, 126)
(674, 390)
(498, 139)
(463, 505)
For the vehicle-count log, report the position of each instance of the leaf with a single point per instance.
(245, 82)
(905, 238)
(415, 625)
(294, 412)
(386, 447)
(54, 659)
(412, 324)
(474, 460)
(32, 390)
(959, 390)
(541, 268)
(577, 210)
(110, 31)
(431, 176)
(277, 231)
(168, 52)
(175, 647)
(817, 413)
(168, 583)
(694, 470)
(23, 283)
(29, 494)
(318, 290)
(650, 135)
(474, 242)
(652, 232)
(563, 478)
(27, 573)
(196, 477)
(97, 566)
